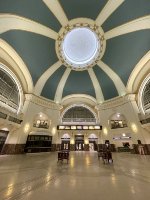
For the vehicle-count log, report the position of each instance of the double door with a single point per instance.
(79, 146)
(65, 145)
(3, 136)
(79, 142)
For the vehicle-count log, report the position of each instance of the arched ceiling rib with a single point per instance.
(14, 22)
(37, 52)
(55, 6)
(135, 25)
(51, 85)
(35, 10)
(97, 87)
(109, 8)
(60, 88)
(114, 77)
(108, 88)
(45, 76)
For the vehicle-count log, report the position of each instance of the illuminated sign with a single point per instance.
(79, 127)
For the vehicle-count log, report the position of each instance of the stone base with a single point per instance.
(86, 147)
(103, 146)
(72, 147)
(13, 149)
(54, 147)
(58, 147)
(146, 149)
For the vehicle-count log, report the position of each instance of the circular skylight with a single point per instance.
(80, 47)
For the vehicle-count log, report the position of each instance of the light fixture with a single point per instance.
(105, 131)
(53, 130)
(118, 115)
(86, 141)
(80, 47)
(134, 128)
(72, 141)
(26, 128)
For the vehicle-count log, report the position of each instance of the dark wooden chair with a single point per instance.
(107, 157)
(63, 156)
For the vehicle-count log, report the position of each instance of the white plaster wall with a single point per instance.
(127, 106)
(72, 134)
(30, 110)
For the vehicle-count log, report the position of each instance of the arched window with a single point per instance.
(10, 90)
(78, 114)
(144, 95)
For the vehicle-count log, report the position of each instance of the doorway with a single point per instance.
(3, 136)
(92, 145)
(65, 145)
(79, 142)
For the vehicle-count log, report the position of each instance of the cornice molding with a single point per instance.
(117, 101)
(41, 101)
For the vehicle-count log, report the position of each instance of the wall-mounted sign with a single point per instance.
(79, 127)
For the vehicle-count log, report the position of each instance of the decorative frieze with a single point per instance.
(115, 102)
(41, 101)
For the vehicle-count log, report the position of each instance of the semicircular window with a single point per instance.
(146, 96)
(78, 115)
(9, 93)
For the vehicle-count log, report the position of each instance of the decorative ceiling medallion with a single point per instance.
(80, 46)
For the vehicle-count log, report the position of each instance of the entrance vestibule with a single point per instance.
(79, 142)
(3, 136)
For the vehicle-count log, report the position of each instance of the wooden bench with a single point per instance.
(63, 155)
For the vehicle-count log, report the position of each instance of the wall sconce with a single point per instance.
(72, 141)
(53, 131)
(105, 131)
(86, 141)
(26, 128)
(134, 128)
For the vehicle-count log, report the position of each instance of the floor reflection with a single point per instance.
(39, 177)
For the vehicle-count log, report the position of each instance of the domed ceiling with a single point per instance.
(77, 46)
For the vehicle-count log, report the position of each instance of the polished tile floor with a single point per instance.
(40, 177)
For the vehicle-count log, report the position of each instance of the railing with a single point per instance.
(8, 102)
(3, 115)
(144, 119)
(45, 126)
(114, 126)
(15, 120)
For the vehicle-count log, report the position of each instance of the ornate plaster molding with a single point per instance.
(41, 101)
(80, 23)
(117, 101)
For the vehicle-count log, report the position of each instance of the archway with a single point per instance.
(65, 142)
(93, 142)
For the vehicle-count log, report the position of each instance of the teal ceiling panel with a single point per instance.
(129, 10)
(50, 87)
(124, 52)
(33, 9)
(79, 82)
(38, 52)
(82, 8)
(107, 85)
